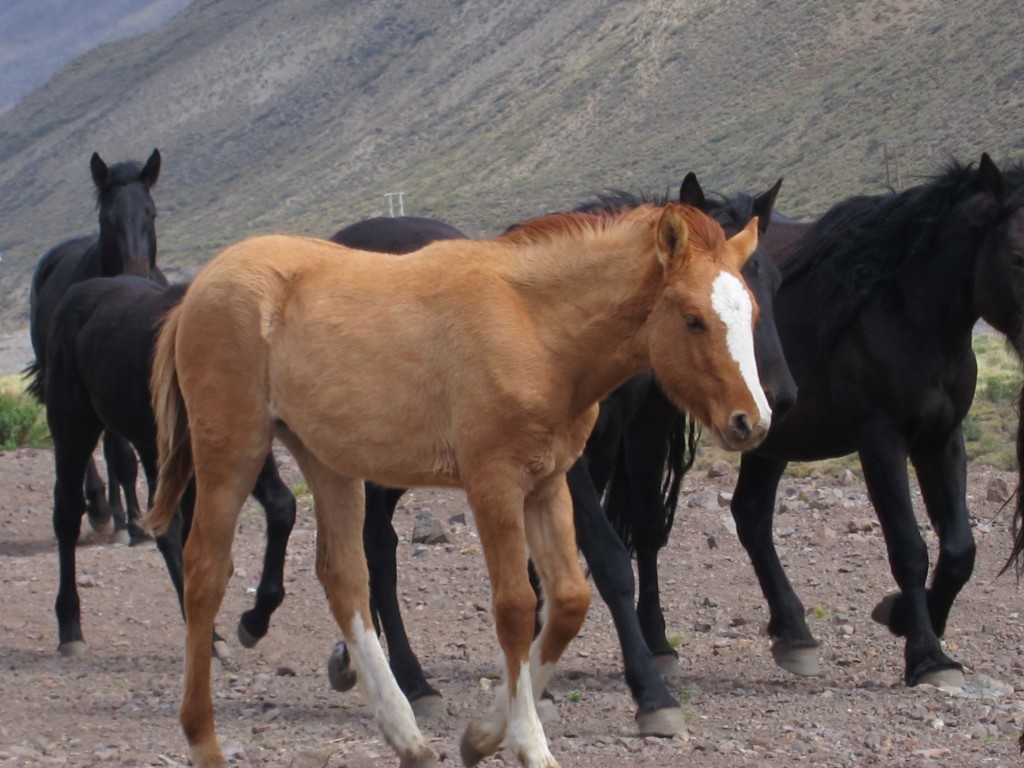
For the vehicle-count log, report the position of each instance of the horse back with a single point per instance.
(331, 343)
(104, 331)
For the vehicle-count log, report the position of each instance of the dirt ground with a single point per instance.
(117, 705)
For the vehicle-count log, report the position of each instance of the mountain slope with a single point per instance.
(299, 116)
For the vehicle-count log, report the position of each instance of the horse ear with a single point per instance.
(744, 242)
(691, 193)
(151, 170)
(991, 177)
(99, 169)
(764, 204)
(671, 237)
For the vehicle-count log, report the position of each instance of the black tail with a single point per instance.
(681, 450)
(36, 376)
(1014, 560)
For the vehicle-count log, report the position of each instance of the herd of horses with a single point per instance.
(561, 373)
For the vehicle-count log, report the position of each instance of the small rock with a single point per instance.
(285, 671)
(719, 468)
(847, 477)
(428, 530)
(310, 758)
(724, 499)
(998, 490)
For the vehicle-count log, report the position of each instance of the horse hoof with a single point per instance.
(339, 669)
(546, 710)
(247, 640)
(428, 761)
(799, 661)
(104, 526)
(425, 707)
(122, 537)
(221, 650)
(136, 537)
(667, 722)
(882, 612)
(667, 665)
(468, 751)
(73, 649)
(943, 678)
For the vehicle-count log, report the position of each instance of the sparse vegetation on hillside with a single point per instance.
(299, 116)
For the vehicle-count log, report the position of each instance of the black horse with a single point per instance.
(98, 361)
(126, 244)
(636, 414)
(876, 311)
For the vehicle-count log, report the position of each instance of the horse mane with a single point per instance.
(866, 240)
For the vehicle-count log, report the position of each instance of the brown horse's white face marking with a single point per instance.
(733, 302)
(701, 329)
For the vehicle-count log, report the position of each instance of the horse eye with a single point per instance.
(694, 323)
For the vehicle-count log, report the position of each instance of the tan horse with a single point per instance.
(471, 363)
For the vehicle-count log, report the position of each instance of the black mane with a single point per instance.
(866, 240)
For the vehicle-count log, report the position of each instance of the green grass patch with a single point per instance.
(22, 419)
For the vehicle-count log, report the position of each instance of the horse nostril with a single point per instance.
(740, 426)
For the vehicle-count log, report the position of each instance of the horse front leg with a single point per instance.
(278, 504)
(942, 475)
(753, 508)
(883, 456)
(97, 508)
(658, 712)
(498, 505)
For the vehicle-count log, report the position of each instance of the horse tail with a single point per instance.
(35, 374)
(1014, 560)
(681, 450)
(174, 443)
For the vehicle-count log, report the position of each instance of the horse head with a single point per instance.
(999, 264)
(127, 215)
(700, 341)
(762, 277)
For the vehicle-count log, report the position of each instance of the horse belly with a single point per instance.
(366, 415)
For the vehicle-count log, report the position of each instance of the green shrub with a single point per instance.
(22, 421)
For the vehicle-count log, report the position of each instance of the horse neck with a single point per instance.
(588, 305)
(943, 284)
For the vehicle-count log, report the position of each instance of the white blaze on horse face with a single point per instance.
(731, 300)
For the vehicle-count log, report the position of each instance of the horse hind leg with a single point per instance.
(278, 504)
(122, 475)
(341, 568)
(222, 485)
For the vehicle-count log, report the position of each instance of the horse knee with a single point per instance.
(514, 612)
(958, 560)
(566, 611)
